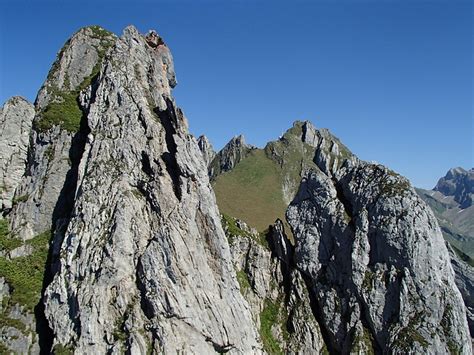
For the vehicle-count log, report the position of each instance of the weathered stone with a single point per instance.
(206, 149)
(144, 263)
(376, 259)
(16, 118)
(464, 277)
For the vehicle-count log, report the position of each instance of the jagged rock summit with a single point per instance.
(139, 261)
(112, 240)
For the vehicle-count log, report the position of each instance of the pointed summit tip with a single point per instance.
(240, 139)
(93, 31)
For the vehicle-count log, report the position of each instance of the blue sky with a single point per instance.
(392, 79)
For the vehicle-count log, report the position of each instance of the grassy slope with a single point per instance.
(252, 191)
(259, 189)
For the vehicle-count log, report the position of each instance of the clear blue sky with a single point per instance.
(392, 79)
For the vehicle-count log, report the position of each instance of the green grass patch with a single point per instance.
(64, 109)
(25, 274)
(252, 191)
(232, 231)
(7, 241)
(243, 280)
(99, 32)
(60, 349)
(268, 318)
(408, 335)
(18, 199)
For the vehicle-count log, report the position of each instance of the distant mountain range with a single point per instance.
(452, 203)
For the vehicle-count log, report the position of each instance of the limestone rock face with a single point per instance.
(77, 61)
(46, 192)
(379, 269)
(206, 149)
(229, 156)
(144, 264)
(464, 277)
(16, 118)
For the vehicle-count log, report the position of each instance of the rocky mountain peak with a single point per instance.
(458, 183)
(232, 153)
(76, 64)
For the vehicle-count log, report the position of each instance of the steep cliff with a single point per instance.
(143, 205)
(377, 263)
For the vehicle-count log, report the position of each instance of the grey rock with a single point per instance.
(377, 263)
(206, 149)
(4, 292)
(45, 190)
(16, 118)
(270, 283)
(22, 250)
(77, 61)
(144, 222)
(464, 277)
(17, 331)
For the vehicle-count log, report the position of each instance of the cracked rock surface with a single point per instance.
(144, 262)
(378, 266)
(16, 118)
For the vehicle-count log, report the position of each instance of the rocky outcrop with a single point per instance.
(232, 153)
(206, 149)
(46, 192)
(458, 183)
(16, 118)
(275, 290)
(379, 271)
(144, 264)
